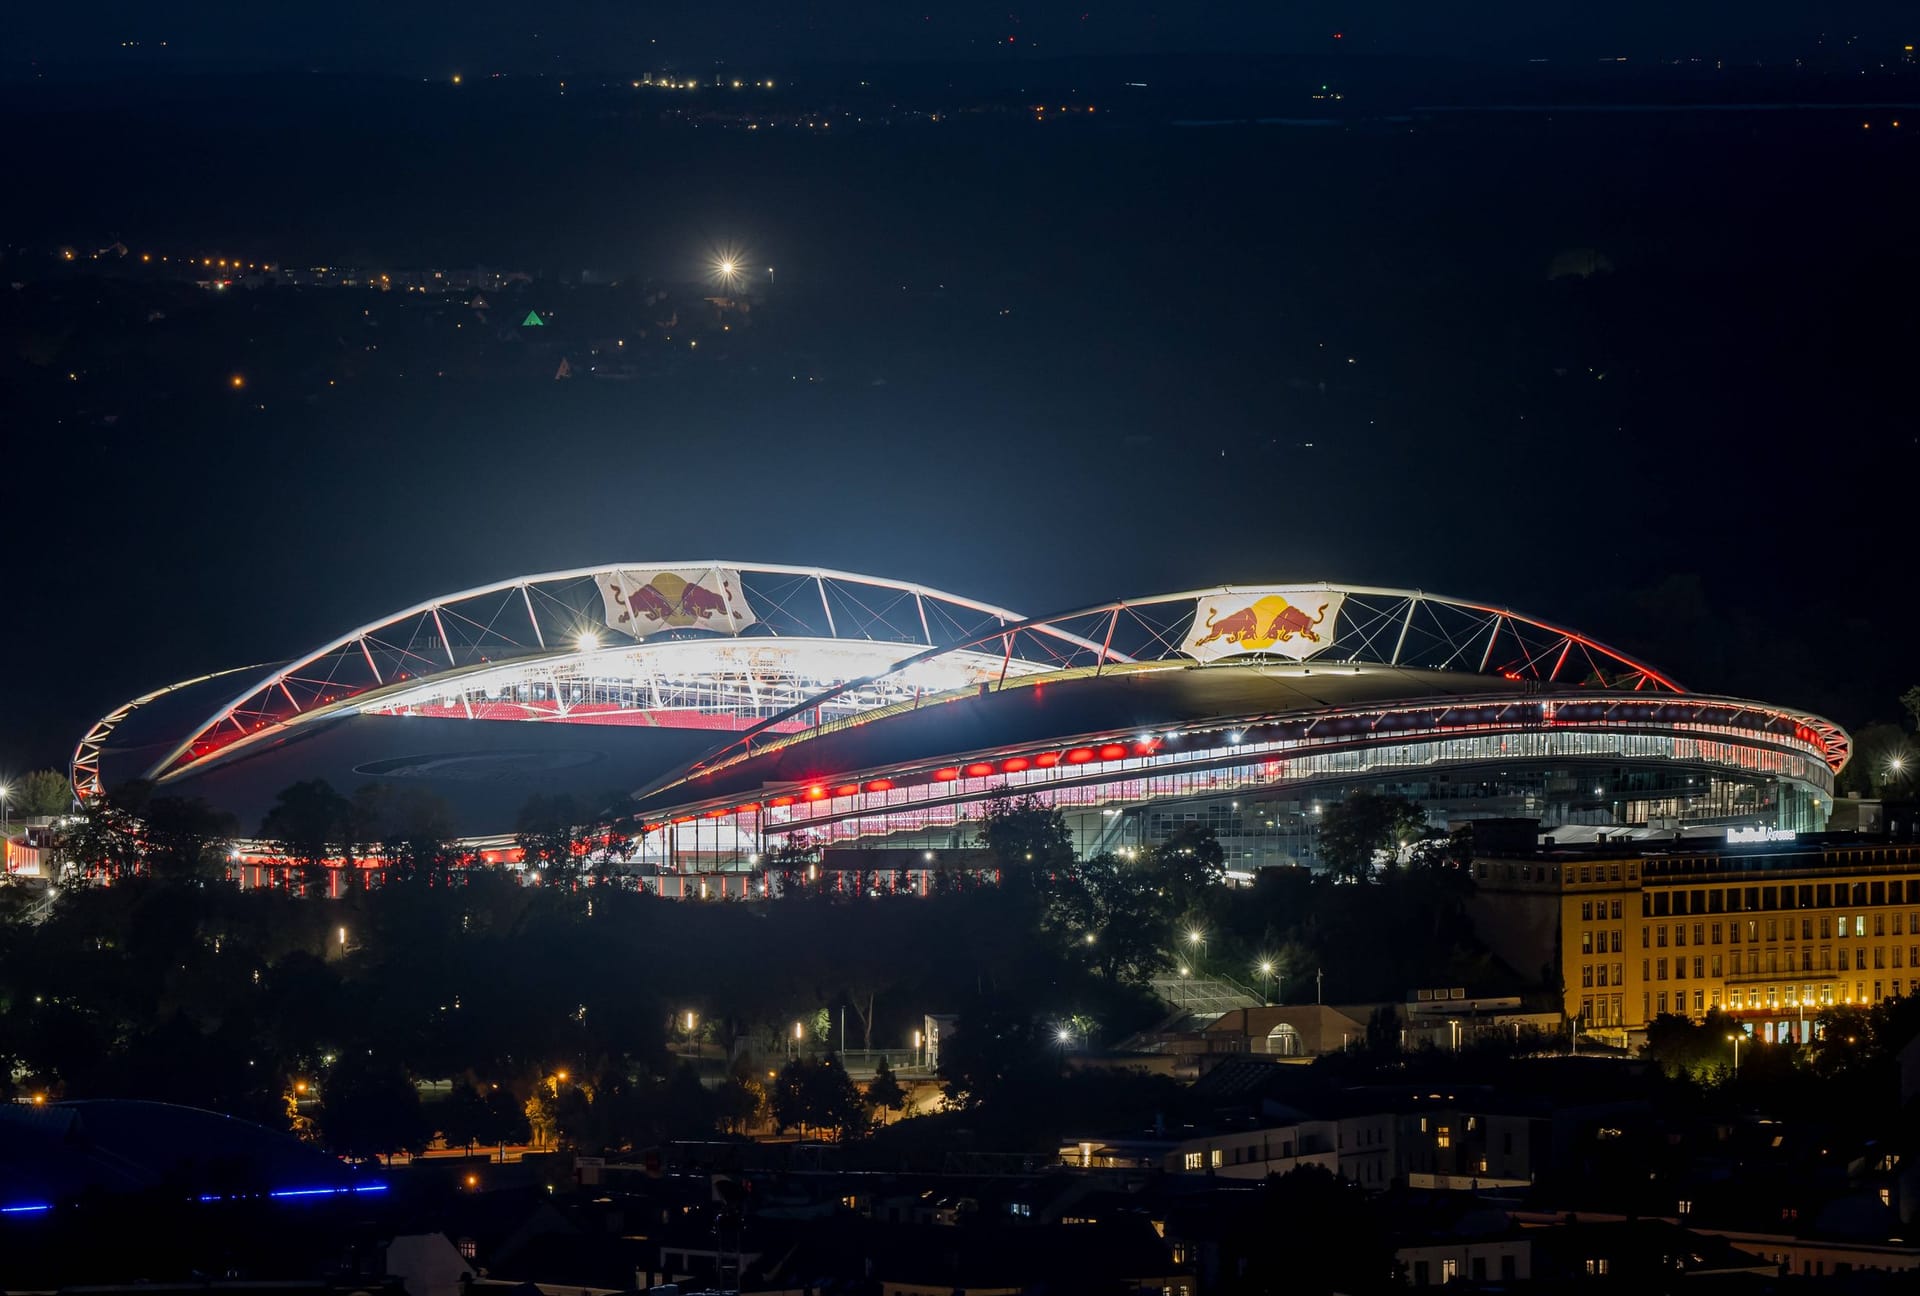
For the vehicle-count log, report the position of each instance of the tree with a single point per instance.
(884, 1093)
(1354, 831)
(1911, 701)
(995, 1046)
(547, 828)
(308, 825)
(819, 1094)
(102, 839)
(1120, 913)
(739, 1103)
(186, 839)
(413, 829)
(505, 1120)
(369, 1110)
(462, 1116)
(1190, 865)
(41, 793)
(1025, 836)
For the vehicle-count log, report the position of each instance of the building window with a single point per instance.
(1443, 1136)
(1216, 1157)
(1586, 942)
(1195, 1161)
(1449, 1270)
(1597, 1266)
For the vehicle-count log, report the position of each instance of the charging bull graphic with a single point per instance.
(1289, 623)
(642, 603)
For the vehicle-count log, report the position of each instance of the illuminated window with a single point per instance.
(1195, 1161)
(1216, 1156)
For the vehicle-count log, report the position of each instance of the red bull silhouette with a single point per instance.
(645, 602)
(1292, 621)
(698, 601)
(1238, 627)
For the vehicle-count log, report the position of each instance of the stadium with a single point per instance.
(726, 708)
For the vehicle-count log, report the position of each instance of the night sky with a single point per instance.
(1027, 365)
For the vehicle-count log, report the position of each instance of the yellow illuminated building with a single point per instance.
(1769, 934)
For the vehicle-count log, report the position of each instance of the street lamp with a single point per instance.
(1267, 970)
(1736, 1037)
(6, 793)
(794, 1043)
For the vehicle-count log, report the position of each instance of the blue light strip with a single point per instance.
(279, 1194)
(30, 1208)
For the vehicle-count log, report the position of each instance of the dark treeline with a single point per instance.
(580, 1009)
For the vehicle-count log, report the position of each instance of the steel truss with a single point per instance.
(1378, 626)
(548, 618)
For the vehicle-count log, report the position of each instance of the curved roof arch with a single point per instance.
(557, 614)
(1377, 625)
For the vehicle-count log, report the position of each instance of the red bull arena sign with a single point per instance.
(1294, 623)
(641, 603)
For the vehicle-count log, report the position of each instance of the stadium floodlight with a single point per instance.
(588, 640)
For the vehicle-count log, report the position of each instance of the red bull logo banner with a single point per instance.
(1292, 623)
(641, 603)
